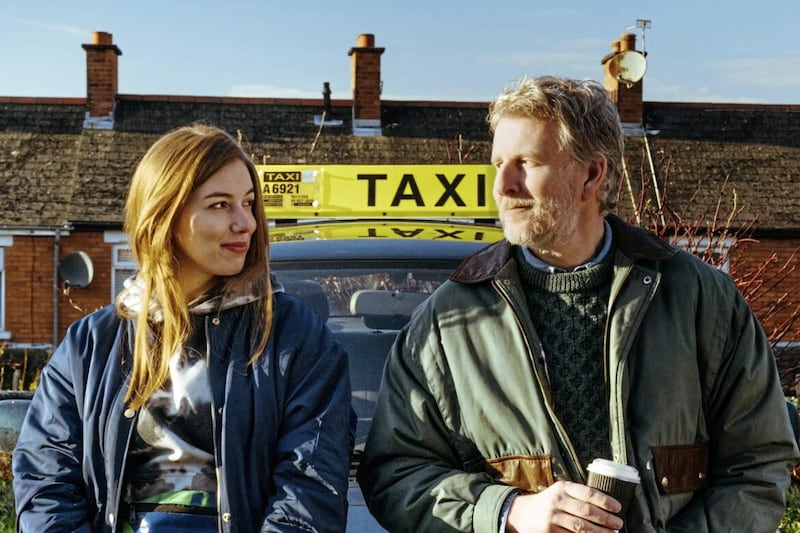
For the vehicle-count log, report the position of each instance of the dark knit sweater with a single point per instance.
(569, 313)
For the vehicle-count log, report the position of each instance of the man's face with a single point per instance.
(538, 186)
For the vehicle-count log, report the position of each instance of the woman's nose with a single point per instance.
(243, 221)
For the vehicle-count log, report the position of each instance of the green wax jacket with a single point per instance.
(464, 414)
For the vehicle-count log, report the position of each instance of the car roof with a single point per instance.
(384, 239)
(372, 249)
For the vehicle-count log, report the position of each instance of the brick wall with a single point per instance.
(776, 263)
(79, 302)
(30, 284)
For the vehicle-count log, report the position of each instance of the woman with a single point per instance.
(204, 400)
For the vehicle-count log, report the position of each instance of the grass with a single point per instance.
(7, 513)
(791, 520)
(6, 507)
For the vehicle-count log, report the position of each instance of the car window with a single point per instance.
(364, 304)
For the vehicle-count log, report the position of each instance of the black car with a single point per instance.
(366, 288)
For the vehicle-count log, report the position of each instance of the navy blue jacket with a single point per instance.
(283, 428)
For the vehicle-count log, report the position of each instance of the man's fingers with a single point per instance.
(586, 503)
(593, 496)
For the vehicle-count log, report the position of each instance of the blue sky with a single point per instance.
(702, 50)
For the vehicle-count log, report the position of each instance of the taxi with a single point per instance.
(363, 246)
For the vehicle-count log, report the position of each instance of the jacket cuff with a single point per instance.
(489, 507)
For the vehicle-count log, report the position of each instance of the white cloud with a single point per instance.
(762, 72)
(578, 57)
(269, 91)
(71, 30)
(656, 91)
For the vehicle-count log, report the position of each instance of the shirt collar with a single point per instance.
(538, 264)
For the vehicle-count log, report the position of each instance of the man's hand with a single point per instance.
(564, 506)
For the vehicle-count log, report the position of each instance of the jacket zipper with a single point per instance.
(214, 427)
(119, 400)
(578, 472)
(120, 488)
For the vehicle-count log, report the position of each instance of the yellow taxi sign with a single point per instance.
(358, 191)
(395, 229)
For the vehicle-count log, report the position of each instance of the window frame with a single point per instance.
(4, 334)
(120, 269)
(722, 248)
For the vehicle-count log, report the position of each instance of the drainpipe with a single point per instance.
(56, 254)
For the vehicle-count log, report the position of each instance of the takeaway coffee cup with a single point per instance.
(617, 480)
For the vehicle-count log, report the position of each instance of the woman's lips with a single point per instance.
(236, 247)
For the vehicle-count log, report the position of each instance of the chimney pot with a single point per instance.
(365, 40)
(627, 41)
(101, 37)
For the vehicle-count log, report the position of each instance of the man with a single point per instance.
(576, 337)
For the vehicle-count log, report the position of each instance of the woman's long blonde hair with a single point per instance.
(175, 165)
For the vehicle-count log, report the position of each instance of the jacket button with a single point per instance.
(215, 321)
(647, 280)
(701, 475)
(226, 517)
(664, 482)
(129, 413)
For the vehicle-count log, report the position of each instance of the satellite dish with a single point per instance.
(628, 66)
(76, 270)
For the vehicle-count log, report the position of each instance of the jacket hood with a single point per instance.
(213, 301)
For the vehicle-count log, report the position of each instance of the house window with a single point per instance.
(717, 252)
(123, 266)
(3, 333)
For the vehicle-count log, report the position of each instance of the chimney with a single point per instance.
(101, 81)
(366, 84)
(626, 95)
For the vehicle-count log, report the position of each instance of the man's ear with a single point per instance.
(595, 177)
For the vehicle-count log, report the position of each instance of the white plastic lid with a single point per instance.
(604, 467)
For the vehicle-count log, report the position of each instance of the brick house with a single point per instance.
(65, 165)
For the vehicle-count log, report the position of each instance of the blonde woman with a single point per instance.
(205, 399)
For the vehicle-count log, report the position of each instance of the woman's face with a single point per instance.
(213, 231)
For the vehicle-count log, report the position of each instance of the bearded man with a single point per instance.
(576, 337)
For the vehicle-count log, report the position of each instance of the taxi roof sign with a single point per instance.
(375, 191)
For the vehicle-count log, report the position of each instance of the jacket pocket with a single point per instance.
(681, 468)
(530, 473)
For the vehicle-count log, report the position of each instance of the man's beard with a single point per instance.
(549, 223)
